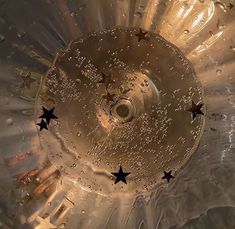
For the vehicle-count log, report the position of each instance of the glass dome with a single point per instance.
(93, 88)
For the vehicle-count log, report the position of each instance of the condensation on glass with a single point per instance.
(53, 54)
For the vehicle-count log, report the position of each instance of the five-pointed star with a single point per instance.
(141, 35)
(43, 125)
(106, 79)
(48, 114)
(167, 176)
(120, 176)
(196, 109)
(44, 223)
(27, 81)
(109, 97)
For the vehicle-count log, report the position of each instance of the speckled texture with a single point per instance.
(32, 32)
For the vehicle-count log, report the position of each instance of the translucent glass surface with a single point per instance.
(54, 54)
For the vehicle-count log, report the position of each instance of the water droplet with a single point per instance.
(233, 48)
(221, 26)
(20, 34)
(186, 31)
(220, 5)
(62, 225)
(9, 121)
(218, 72)
(73, 165)
(83, 211)
(2, 38)
(138, 14)
(82, 7)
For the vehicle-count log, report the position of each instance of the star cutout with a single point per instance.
(120, 176)
(167, 176)
(48, 114)
(109, 97)
(27, 81)
(106, 79)
(196, 109)
(141, 35)
(43, 125)
(44, 223)
(231, 6)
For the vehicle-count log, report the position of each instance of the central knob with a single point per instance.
(123, 111)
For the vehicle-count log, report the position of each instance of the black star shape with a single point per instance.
(48, 114)
(167, 176)
(109, 97)
(231, 6)
(141, 35)
(43, 125)
(27, 81)
(106, 80)
(120, 176)
(196, 109)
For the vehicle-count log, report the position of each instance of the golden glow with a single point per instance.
(198, 19)
(191, 16)
(208, 43)
(150, 10)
